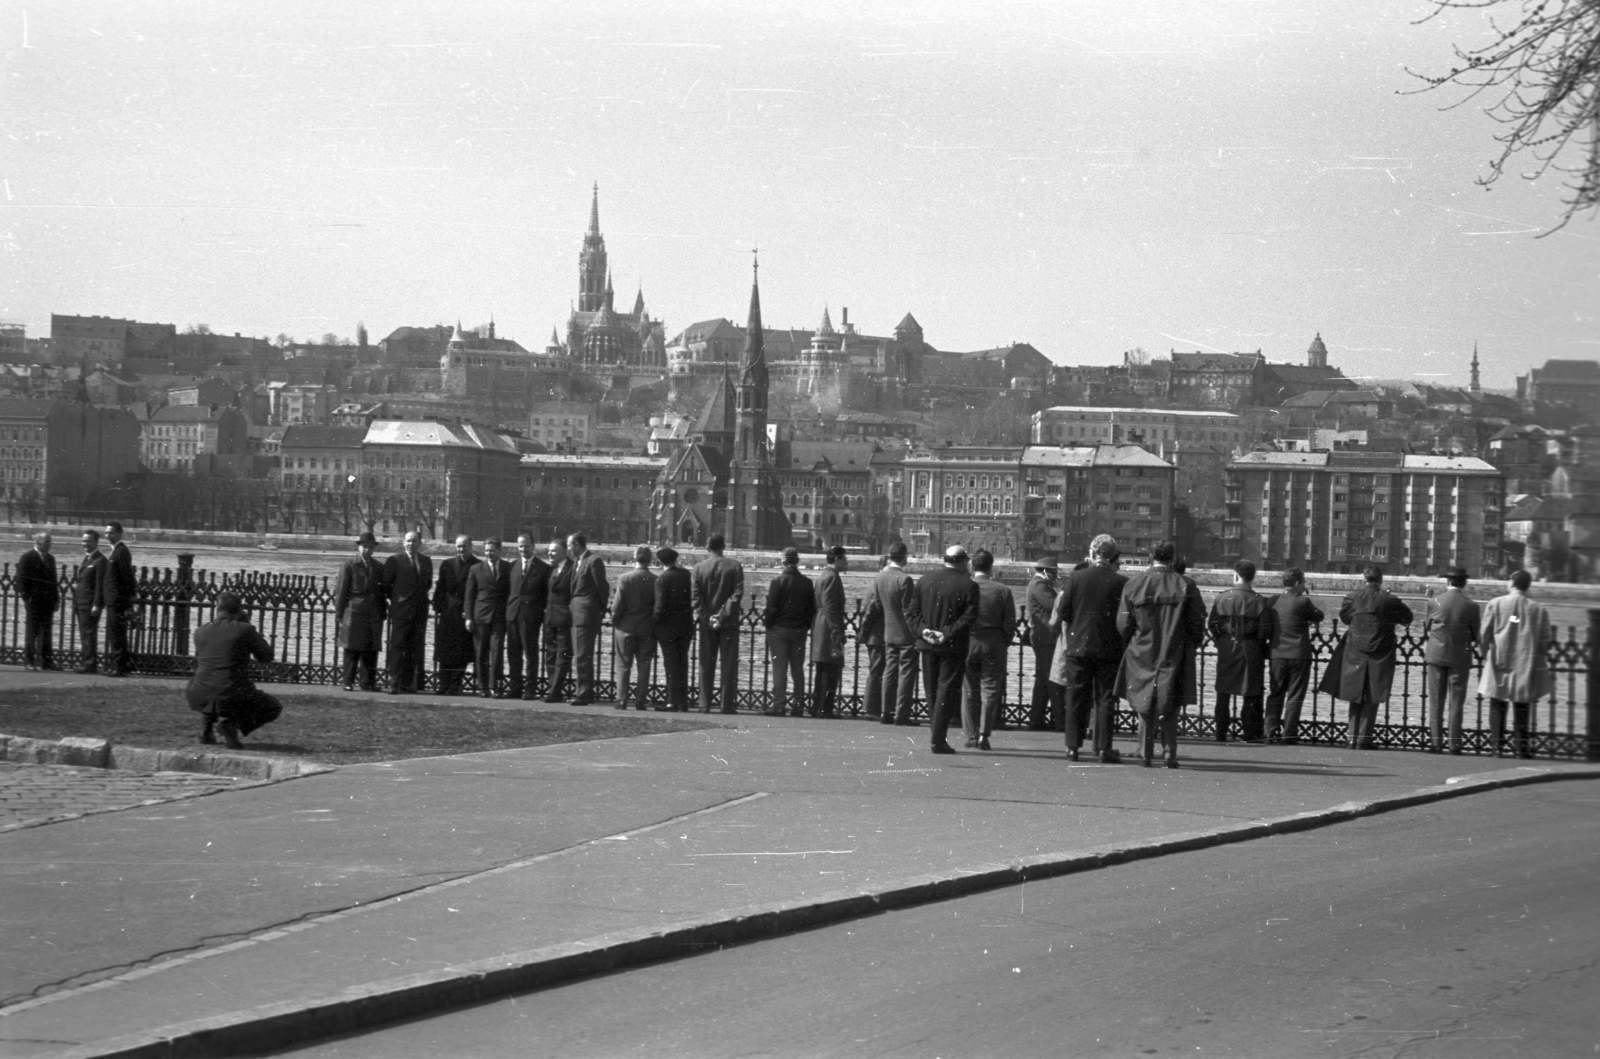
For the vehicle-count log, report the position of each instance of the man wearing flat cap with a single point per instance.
(947, 603)
(358, 610)
(1045, 710)
(1451, 630)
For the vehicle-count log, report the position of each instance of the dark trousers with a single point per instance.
(1251, 716)
(368, 663)
(584, 639)
(675, 667)
(899, 682)
(786, 648)
(407, 641)
(121, 660)
(1519, 727)
(719, 657)
(36, 648)
(1089, 692)
(246, 710)
(1159, 723)
(1363, 718)
(1290, 678)
(876, 660)
(88, 638)
(825, 689)
(1048, 705)
(984, 684)
(489, 641)
(557, 661)
(522, 652)
(633, 649)
(945, 673)
(1447, 691)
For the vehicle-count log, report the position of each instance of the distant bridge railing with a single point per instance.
(295, 612)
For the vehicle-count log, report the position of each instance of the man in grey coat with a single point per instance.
(896, 593)
(1089, 648)
(1451, 629)
(633, 628)
(1516, 640)
(827, 635)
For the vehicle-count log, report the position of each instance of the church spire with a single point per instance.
(594, 211)
(593, 273)
(1476, 387)
(751, 438)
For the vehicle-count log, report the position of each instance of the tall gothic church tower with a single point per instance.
(593, 274)
(750, 439)
(754, 515)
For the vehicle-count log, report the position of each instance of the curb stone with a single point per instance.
(374, 1003)
(99, 753)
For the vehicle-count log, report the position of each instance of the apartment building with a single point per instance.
(1072, 492)
(965, 495)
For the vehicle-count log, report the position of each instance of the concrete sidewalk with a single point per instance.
(375, 891)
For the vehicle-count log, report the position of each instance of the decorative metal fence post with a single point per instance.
(184, 593)
(1592, 705)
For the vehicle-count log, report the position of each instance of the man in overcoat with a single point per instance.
(530, 594)
(633, 629)
(1516, 640)
(1451, 629)
(88, 600)
(1289, 659)
(221, 688)
(674, 622)
(358, 610)
(590, 593)
(121, 589)
(718, 592)
(790, 610)
(452, 637)
(407, 577)
(1241, 629)
(40, 590)
(947, 607)
(827, 634)
(1045, 710)
(871, 637)
(1365, 674)
(484, 607)
(1159, 619)
(558, 623)
(1089, 648)
(896, 593)
(993, 629)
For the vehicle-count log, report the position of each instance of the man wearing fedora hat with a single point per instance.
(1045, 710)
(359, 610)
(1451, 629)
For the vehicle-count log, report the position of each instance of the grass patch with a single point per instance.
(322, 728)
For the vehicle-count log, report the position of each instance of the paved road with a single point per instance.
(1462, 929)
(33, 794)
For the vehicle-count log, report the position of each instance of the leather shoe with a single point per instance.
(393, 690)
(1072, 754)
(941, 748)
(983, 742)
(230, 735)
(971, 744)
(1111, 757)
(349, 687)
(1172, 761)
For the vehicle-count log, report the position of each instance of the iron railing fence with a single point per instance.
(295, 612)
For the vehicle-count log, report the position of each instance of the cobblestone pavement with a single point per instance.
(31, 794)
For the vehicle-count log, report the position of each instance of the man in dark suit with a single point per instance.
(992, 632)
(590, 593)
(452, 636)
(1451, 630)
(1289, 658)
(1045, 711)
(221, 688)
(558, 624)
(674, 623)
(121, 586)
(947, 605)
(359, 608)
(407, 577)
(870, 636)
(791, 607)
(827, 635)
(484, 607)
(41, 598)
(88, 600)
(896, 593)
(718, 590)
(1089, 648)
(530, 592)
(1241, 629)
(633, 628)
(1365, 674)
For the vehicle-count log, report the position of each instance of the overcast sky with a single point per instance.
(1084, 176)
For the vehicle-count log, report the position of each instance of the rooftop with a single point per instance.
(433, 434)
(1181, 413)
(582, 461)
(320, 437)
(1090, 456)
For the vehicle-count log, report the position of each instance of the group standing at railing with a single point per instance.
(100, 586)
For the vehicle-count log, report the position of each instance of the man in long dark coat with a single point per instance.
(674, 622)
(1365, 674)
(1241, 629)
(40, 590)
(1045, 711)
(530, 593)
(993, 629)
(88, 600)
(221, 688)
(947, 604)
(718, 597)
(1089, 648)
(407, 577)
(358, 610)
(790, 611)
(558, 624)
(452, 640)
(1160, 618)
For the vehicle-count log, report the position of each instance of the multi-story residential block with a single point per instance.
(319, 477)
(108, 341)
(560, 424)
(1156, 429)
(442, 479)
(292, 403)
(1071, 493)
(174, 435)
(828, 495)
(962, 495)
(203, 392)
(1339, 511)
(1570, 384)
(605, 497)
(54, 454)
(13, 343)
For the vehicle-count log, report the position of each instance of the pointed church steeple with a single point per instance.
(594, 211)
(1476, 386)
(750, 442)
(593, 274)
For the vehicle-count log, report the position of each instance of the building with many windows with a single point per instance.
(962, 495)
(1157, 429)
(1071, 493)
(54, 454)
(1337, 512)
(605, 497)
(174, 435)
(441, 479)
(319, 478)
(828, 495)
